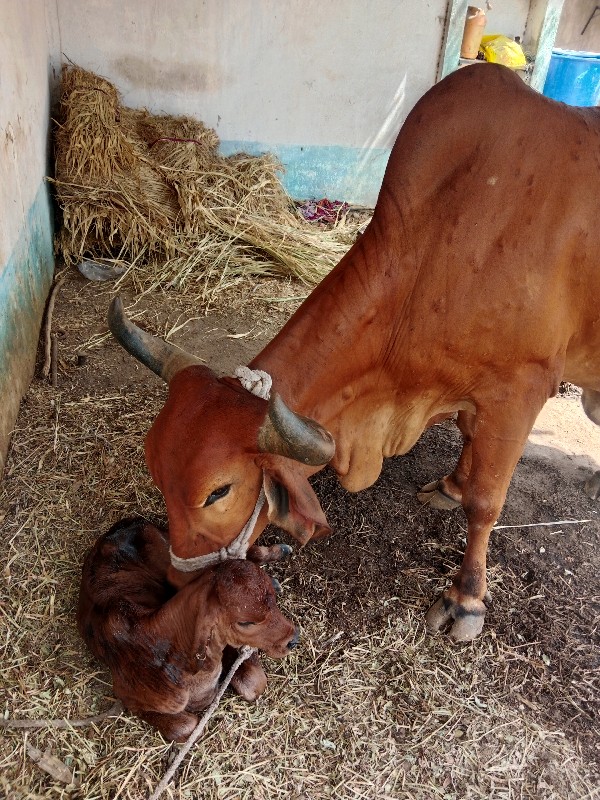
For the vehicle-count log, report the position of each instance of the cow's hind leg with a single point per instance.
(591, 405)
(499, 437)
(446, 493)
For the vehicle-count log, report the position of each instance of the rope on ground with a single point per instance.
(542, 524)
(245, 652)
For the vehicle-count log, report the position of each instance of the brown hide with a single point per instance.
(475, 289)
(165, 650)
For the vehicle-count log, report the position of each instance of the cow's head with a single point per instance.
(214, 444)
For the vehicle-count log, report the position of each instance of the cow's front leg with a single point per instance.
(446, 493)
(499, 436)
(463, 602)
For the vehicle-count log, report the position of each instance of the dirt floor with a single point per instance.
(370, 706)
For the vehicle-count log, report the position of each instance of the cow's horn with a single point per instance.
(161, 357)
(286, 433)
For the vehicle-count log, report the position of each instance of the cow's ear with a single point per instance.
(293, 505)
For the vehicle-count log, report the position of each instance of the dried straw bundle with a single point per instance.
(152, 192)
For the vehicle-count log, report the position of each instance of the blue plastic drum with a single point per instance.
(574, 77)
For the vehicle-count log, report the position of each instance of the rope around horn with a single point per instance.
(256, 381)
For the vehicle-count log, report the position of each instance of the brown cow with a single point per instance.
(474, 290)
(165, 649)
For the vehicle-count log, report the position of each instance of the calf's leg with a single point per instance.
(250, 679)
(174, 727)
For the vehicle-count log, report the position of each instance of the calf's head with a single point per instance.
(214, 444)
(241, 609)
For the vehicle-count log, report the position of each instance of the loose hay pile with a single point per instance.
(152, 193)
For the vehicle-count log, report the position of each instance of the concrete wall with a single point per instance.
(27, 56)
(319, 83)
(508, 17)
(576, 14)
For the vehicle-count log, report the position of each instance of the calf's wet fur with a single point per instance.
(167, 649)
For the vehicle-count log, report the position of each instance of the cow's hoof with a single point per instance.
(592, 486)
(468, 623)
(434, 496)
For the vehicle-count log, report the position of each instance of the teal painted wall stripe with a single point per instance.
(25, 280)
(352, 174)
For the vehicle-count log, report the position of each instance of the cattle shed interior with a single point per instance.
(295, 79)
(325, 88)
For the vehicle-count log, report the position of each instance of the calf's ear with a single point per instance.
(293, 505)
(204, 637)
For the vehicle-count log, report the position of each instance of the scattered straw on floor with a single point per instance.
(153, 194)
(369, 706)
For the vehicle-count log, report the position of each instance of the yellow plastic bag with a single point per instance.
(499, 49)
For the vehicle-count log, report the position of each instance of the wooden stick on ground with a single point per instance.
(48, 329)
(29, 724)
(54, 360)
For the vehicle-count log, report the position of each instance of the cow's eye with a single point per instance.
(217, 495)
(246, 624)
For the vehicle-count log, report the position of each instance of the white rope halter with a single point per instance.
(259, 383)
(255, 380)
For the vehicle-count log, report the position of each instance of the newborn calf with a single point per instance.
(165, 648)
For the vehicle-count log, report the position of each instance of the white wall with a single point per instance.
(575, 17)
(506, 16)
(324, 85)
(314, 81)
(28, 53)
(287, 71)
(27, 57)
